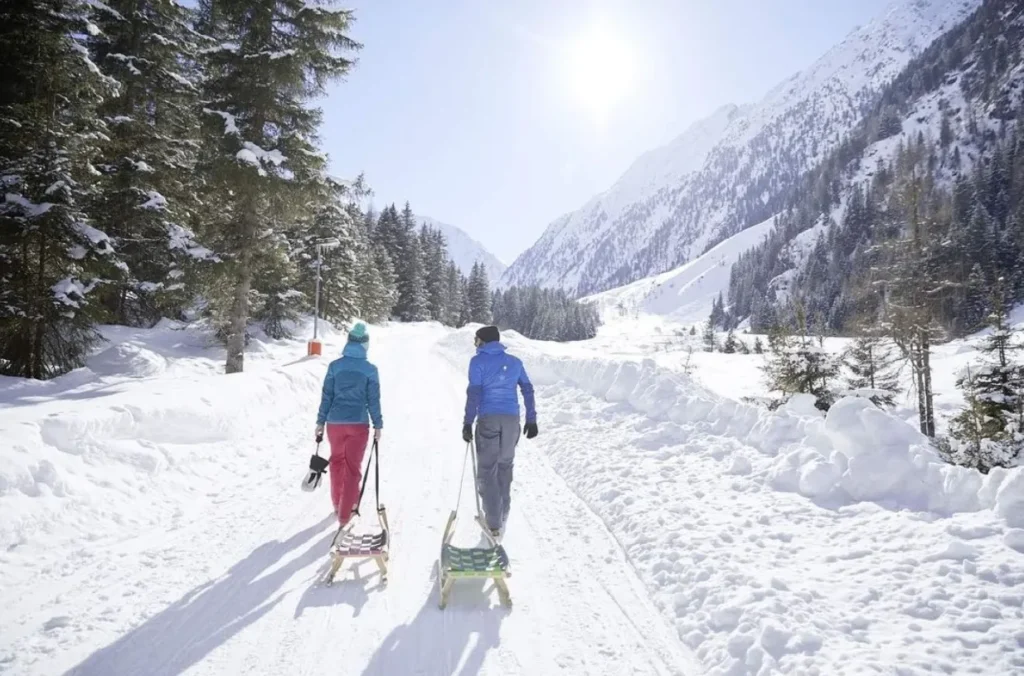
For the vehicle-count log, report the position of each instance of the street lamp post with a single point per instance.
(321, 245)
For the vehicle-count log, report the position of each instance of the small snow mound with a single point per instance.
(1014, 539)
(802, 404)
(740, 466)
(885, 455)
(1010, 498)
(56, 622)
(956, 550)
(127, 359)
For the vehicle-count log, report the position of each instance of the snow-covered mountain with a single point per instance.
(733, 169)
(465, 250)
(684, 294)
(954, 116)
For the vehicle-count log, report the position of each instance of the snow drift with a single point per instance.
(857, 452)
(135, 438)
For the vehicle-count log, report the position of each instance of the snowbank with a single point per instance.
(136, 439)
(856, 453)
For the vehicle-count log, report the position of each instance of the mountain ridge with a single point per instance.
(750, 158)
(464, 250)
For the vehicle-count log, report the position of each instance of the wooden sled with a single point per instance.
(376, 546)
(349, 545)
(457, 563)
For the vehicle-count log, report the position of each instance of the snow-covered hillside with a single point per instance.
(961, 124)
(735, 168)
(151, 522)
(686, 293)
(465, 251)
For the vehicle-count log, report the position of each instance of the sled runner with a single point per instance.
(471, 562)
(376, 546)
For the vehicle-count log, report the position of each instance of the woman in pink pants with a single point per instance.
(349, 402)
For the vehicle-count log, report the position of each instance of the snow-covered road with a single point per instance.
(217, 575)
(151, 522)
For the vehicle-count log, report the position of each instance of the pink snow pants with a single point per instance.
(348, 445)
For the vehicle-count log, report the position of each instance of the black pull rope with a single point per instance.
(375, 457)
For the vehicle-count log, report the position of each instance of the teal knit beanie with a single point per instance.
(358, 333)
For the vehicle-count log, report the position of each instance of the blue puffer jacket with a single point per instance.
(493, 377)
(351, 389)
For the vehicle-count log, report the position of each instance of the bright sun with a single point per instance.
(600, 69)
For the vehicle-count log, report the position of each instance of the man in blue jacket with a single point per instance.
(492, 400)
(350, 399)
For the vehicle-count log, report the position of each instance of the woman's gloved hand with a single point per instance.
(530, 430)
(467, 433)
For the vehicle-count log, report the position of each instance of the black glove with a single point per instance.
(530, 430)
(467, 433)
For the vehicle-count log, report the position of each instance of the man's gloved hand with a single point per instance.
(530, 430)
(319, 434)
(467, 433)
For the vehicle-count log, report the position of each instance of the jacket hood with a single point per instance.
(491, 348)
(356, 350)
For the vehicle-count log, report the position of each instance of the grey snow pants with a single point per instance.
(496, 439)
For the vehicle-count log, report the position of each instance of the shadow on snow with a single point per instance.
(208, 616)
(454, 641)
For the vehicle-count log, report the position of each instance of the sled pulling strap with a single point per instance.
(375, 457)
(462, 480)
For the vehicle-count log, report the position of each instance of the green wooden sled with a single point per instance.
(471, 562)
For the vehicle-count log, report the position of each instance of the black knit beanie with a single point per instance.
(488, 334)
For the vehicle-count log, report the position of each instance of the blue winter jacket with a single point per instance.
(493, 377)
(351, 389)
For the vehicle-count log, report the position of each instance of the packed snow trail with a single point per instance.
(231, 587)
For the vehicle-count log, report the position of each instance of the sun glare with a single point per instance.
(600, 69)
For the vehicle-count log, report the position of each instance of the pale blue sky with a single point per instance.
(472, 111)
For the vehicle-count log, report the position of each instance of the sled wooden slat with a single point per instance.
(374, 546)
(466, 563)
(474, 562)
(365, 545)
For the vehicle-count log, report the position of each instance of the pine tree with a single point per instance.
(731, 345)
(479, 295)
(693, 330)
(456, 297)
(432, 244)
(341, 287)
(798, 366)
(259, 165)
(466, 311)
(146, 193)
(52, 259)
(758, 346)
(990, 431)
(709, 337)
(871, 363)
(412, 291)
(275, 301)
(911, 283)
(378, 281)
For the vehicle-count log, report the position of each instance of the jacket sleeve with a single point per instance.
(527, 387)
(373, 399)
(473, 392)
(326, 398)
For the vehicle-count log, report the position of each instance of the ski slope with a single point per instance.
(151, 522)
(686, 293)
(155, 525)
